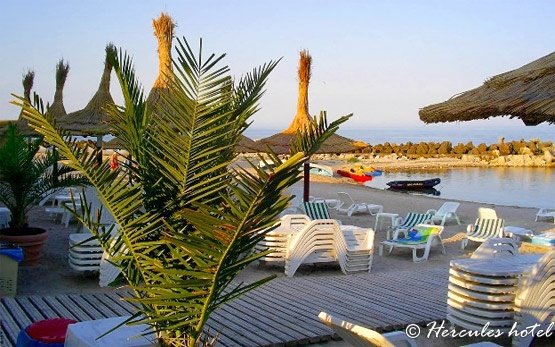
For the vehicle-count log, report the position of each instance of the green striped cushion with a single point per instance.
(317, 210)
(413, 219)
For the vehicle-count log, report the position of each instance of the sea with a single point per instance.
(524, 187)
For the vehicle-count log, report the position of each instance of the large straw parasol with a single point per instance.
(527, 93)
(57, 110)
(280, 142)
(22, 123)
(93, 119)
(163, 31)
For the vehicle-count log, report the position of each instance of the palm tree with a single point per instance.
(189, 221)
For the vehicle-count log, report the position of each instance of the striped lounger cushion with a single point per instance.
(317, 210)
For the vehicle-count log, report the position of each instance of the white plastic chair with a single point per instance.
(358, 336)
(349, 206)
(486, 213)
(496, 247)
(545, 213)
(447, 212)
(482, 230)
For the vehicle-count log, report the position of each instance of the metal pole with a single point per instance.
(99, 146)
(306, 179)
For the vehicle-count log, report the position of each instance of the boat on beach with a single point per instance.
(415, 184)
(359, 177)
(374, 173)
(425, 191)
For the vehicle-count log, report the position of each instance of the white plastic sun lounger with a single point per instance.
(358, 336)
(349, 206)
(325, 241)
(546, 214)
(446, 213)
(482, 230)
(430, 234)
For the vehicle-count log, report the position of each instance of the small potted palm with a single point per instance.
(26, 178)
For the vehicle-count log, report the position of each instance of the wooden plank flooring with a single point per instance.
(282, 312)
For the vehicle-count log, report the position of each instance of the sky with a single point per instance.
(380, 60)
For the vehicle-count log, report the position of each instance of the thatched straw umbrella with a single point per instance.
(22, 123)
(280, 142)
(57, 110)
(527, 93)
(163, 31)
(93, 119)
(247, 145)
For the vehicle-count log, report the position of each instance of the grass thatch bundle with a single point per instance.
(93, 119)
(57, 109)
(163, 31)
(22, 123)
(279, 143)
(527, 93)
(302, 117)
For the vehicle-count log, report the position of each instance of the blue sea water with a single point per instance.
(457, 132)
(525, 187)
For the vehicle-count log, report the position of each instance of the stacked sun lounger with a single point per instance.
(325, 241)
(535, 299)
(84, 253)
(278, 239)
(482, 290)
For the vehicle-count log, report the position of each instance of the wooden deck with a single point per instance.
(282, 312)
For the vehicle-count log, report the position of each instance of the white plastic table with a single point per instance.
(387, 216)
(84, 334)
(517, 233)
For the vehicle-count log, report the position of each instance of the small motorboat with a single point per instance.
(355, 176)
(322, 170)
(412, 185)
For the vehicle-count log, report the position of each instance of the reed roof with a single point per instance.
(335, 144)
(22, 123)
(247, 145)
(164, 32)
(527, 93)
(93, 119)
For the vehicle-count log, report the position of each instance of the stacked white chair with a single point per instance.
(482, 230)
(535, 299)
(277, 240)
(85, 254)
(324, 241)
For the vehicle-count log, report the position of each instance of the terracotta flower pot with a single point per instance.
(30, 239)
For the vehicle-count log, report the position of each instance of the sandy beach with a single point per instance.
(54, 276)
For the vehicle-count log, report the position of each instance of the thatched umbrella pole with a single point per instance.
(102, 97)
(302, 117)
(163, 31)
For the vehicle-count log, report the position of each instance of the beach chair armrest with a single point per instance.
(400, 338)
(431, 211)
(397, 221)
(470, 228)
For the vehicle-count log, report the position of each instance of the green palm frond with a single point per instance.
(187, 221)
